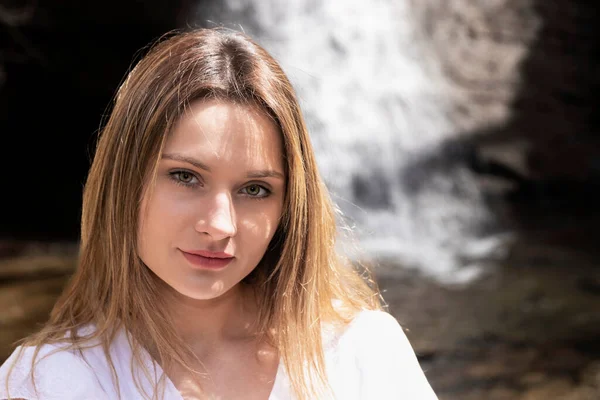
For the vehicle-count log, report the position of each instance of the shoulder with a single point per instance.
(369, 322)
(58, 373)
(385, 360)
(373, 328)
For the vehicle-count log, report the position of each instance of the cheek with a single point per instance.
(164, 209)
(259, 229)
(156, 223)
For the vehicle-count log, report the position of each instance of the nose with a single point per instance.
(219, 219)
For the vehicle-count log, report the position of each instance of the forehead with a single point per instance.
(218, 132)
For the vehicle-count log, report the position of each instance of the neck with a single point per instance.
(205, 324)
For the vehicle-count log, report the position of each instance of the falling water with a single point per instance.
(380, 111)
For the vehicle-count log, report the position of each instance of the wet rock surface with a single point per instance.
(526, 330)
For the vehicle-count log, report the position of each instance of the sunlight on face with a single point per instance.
(217, 199)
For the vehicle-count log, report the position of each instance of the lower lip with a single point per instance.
(207, 262)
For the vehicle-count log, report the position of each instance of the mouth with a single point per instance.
(207, 259)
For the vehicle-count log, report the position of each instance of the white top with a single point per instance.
(371, 359)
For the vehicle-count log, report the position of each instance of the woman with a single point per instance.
(207, 263)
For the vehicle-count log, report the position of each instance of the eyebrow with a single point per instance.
(189, 160)
(200, 165)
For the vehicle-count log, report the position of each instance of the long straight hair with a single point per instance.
(304, 283)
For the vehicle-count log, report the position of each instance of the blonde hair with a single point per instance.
(301, 275)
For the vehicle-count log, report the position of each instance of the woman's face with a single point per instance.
(217, 199)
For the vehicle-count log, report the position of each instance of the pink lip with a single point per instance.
(209, 254)
(207, 259)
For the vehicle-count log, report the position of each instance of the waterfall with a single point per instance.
(381, 112)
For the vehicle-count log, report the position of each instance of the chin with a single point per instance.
(204, 293)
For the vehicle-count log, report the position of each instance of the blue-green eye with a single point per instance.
(255, 190)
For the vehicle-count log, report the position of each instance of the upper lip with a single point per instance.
(209, 254)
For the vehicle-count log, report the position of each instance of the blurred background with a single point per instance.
(459, 139)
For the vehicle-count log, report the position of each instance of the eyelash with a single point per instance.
(176, 175)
